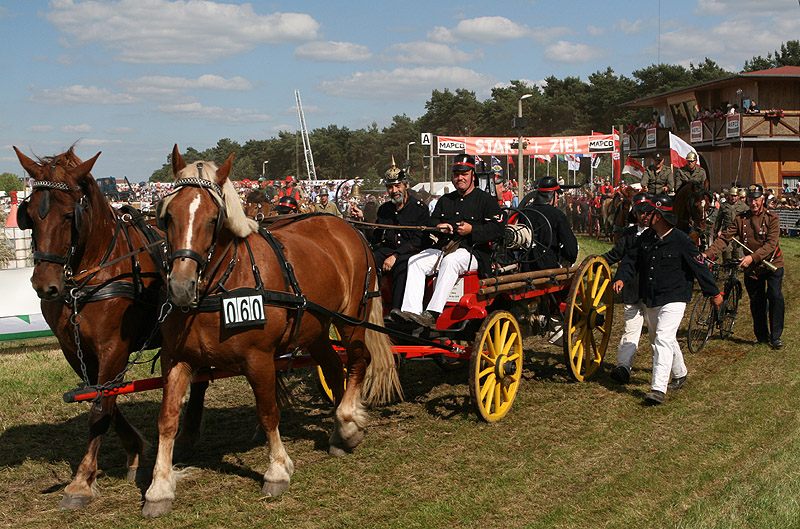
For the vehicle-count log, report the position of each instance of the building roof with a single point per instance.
(786, 71)
(781, 71)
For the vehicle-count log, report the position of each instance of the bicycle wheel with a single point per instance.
(729, 309)
(701, 324)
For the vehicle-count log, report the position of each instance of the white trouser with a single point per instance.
(422, 265)
(634, 318)
(663, 323)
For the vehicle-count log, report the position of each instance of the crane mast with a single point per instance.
(312, 174)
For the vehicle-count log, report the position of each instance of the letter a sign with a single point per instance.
(426, 139)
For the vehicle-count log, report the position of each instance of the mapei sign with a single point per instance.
(448, 145)
(601, 145)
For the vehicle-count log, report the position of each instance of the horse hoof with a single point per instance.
(154, 509)
(274, 488)
(337, 451)
(72, 502)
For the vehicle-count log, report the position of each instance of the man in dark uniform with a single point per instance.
(658, 178)
(634, 307)
(691, 172)
(562, 247)
(759, 229)
(667, 261)
(393, 248)
(470, 220)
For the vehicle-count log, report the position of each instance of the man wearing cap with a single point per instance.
(667, 262)
(393, 248)
(470, 220)
(658, 177)
(634, 307)
(759, 229)
(325, 206)
(691, 172)
(562, 247)
(729, 211)
(263, 189)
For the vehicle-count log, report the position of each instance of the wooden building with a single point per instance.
(743, 147)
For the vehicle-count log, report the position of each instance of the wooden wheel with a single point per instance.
(496, 365)
(327, 392)
(588, 317)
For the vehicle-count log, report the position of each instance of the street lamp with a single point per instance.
(264, 168)
(519, 124)
(408, 153)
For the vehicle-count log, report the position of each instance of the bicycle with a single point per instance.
(706, 318)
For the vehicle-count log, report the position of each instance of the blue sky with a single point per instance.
(132, 77)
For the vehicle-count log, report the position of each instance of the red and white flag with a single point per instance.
(678, 150)
(633, 167)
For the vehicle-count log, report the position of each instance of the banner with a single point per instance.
(533, 146)
(633, 167)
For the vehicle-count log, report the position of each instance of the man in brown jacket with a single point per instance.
(759, 230)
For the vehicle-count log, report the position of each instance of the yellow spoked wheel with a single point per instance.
(496, 366)
(327, 392)
(588, 317)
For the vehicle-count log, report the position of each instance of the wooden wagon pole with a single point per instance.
(524, 276)
(523, 285)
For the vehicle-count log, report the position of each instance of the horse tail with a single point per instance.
(381, 383)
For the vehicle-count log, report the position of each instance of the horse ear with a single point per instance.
(81, 172)
(225, 171)
(33, 168)
(177, 161)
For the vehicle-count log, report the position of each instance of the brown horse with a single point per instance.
(692, 207)
(213, 243)
(615, 212)
(113, 308)
(257, 206)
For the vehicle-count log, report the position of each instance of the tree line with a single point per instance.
(561, 107)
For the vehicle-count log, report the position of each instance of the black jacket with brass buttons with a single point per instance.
(667, 268)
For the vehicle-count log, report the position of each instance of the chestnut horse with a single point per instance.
(257, 206)
(615, 212)
(692, 207)
(77, 236)
(290, 279)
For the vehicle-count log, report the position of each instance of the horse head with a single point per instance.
(202, 207)
(58, 212)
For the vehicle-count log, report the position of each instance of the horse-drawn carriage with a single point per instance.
(253, 298)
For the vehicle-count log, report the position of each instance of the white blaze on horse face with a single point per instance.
(193, 207)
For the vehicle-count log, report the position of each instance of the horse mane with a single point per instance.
(67, 160)
(236, 220)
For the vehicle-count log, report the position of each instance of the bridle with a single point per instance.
(25, 221)
(217, 197)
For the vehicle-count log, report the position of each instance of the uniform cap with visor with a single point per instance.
(755, 191)
(463, 163)
(394, 175)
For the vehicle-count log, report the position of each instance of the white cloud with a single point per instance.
(630, 28)
(284, 127)
(405, 83)
(486, 30)
(158, 85)
(80, 94)
(563, 51)
(182, 31)
(423, 52)
(332, 52)
(195, 110)
(544, 35)
(307, 109)
(594, 31)
(40, 128)
(82, 128)
(742, 8)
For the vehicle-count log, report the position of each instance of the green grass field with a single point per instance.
(724, 452)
